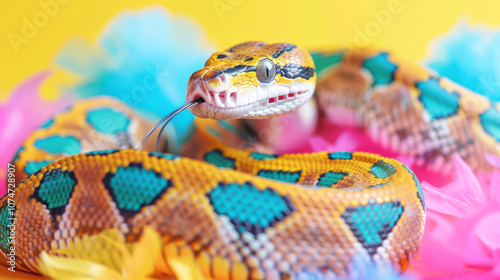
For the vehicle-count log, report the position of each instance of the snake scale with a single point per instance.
(242, 213)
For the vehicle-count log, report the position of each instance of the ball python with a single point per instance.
(246, 214)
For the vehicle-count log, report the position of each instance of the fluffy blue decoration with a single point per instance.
(145, 59)
(470, 56)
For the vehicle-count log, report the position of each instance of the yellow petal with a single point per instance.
(105, 256)
(145, 253)
(185, 268)
(92, 249)
(75, 269)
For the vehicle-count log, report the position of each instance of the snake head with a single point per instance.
(252, 80)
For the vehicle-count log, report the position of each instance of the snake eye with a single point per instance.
(266, 70)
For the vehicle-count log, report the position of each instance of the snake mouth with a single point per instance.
(257, 102)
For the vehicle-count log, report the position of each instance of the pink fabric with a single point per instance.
(20, 115)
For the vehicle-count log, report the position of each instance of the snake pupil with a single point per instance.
(266, 70)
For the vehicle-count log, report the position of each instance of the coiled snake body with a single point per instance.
(245, 214)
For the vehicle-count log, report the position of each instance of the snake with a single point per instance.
(243, 213)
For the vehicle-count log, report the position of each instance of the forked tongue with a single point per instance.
(165, 121)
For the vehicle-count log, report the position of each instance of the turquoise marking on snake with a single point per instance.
(216, 157)
(56, 144)
(103, 152)
(32, 166)
(247, 204)
(16, 155)
(165, 156)
(125, 182)
(279, 175)
(56, 188)
(108, 120)
(47, 124)
(341, 155)
(324, 61)
(5, 230)
(331, 178)
(382, 170)
(490, 120)
(261, 156)
(381, 69)
(437, 101)
(372, 223)
(420, 191)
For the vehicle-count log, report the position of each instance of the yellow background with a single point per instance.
(313, 24)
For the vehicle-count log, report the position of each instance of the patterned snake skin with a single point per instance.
(409, 108)
(245, 214)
